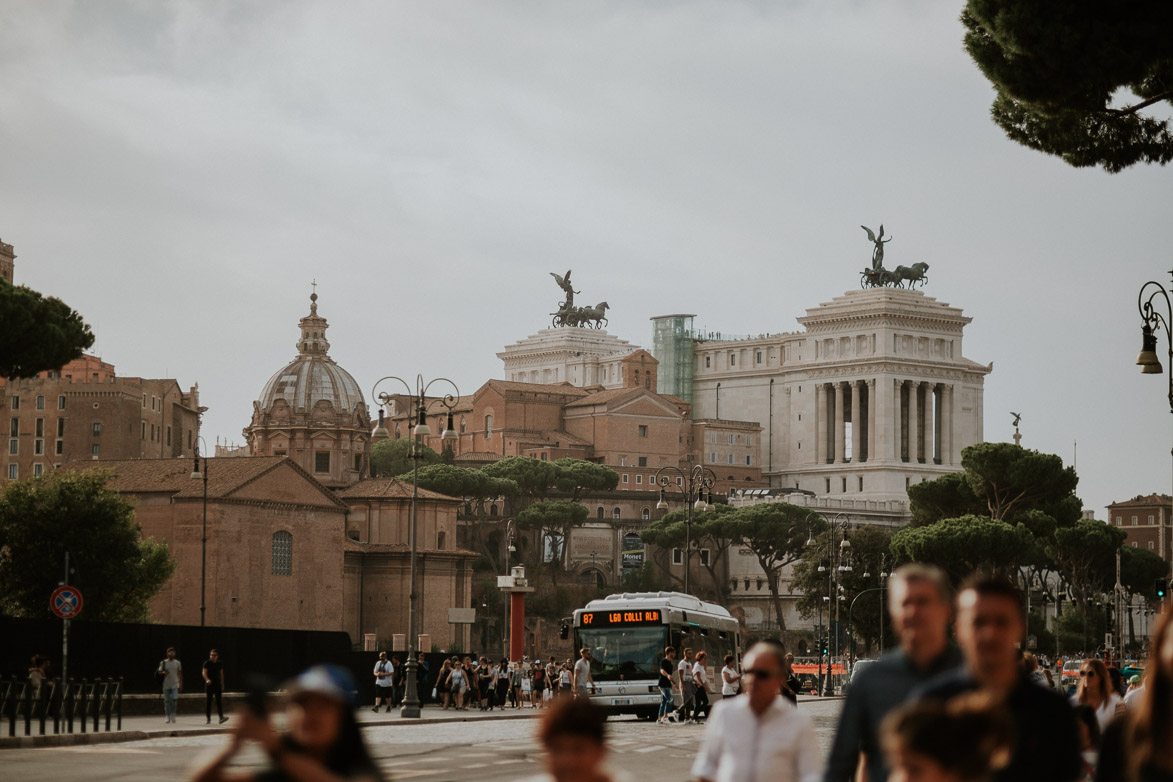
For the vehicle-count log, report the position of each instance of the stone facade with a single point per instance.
(873, 396)
(1148, 521)
(84, 411)
(7, 262)
(312, 411)
(578, 356)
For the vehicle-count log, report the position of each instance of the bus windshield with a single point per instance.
(624, 653)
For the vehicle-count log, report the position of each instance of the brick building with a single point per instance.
(85, 411)
(1148, 522)
(312, 411)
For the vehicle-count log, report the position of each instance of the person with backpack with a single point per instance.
(384, 682)
(171, 672)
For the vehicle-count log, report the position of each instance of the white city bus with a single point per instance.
(627, 634)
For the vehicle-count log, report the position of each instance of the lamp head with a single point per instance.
(196, 475)
(449, 430)
(421, 428)
(1147, 359)
(661, 505)
(381, 432)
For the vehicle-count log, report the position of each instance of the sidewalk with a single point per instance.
(142, 727)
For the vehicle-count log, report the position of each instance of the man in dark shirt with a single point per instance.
(919, 602)
(990, 625)
(213, 672)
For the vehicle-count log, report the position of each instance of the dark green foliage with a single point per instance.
(390, 458)
(40, 519)
(962, 545)
(576, 476)
(553, 519)
(462, 482)
(776, 533)
(946, 497)
(1074, 79)
(532, 476)
(37, 333)
(1085, 553)
(715, 530)
(1140, 569)
(1010, 479)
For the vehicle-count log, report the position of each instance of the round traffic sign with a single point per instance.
(66, 602)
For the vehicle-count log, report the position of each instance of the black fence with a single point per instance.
(63, 708)
(132, 652)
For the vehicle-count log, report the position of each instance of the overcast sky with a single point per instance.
(180, 172)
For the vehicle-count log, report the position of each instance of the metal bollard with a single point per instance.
(120, 703)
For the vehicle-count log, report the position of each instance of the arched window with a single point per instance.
(282, 553)
(615, 513)
(646, 513)
(463, 424)
(488, 427)
(601, 513)
(440, 540)
(493, 510)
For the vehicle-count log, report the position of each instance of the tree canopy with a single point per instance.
(776, 533)
(392, 457)
(715, 530)
(962, 545)
(553, 519)
(1088, 82)
(37, 333)
(116, 570)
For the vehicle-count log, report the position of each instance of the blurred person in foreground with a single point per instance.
(1095, 691)
(759, 735)
(323, 742)
(920, 604)
(573, 733)
(991, 623)
(965, 740)
(1138, 747)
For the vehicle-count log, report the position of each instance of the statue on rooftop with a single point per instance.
(570, 315)
(877, 276)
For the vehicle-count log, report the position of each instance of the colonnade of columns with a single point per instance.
(905, 420)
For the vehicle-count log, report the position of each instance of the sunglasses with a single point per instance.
(760, 673)
(1089, 674)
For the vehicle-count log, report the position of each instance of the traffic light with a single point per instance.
(1162, 588)
(823, 646)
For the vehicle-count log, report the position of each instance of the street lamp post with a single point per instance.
(196, 475)
(833, 572)
(693, 485)
(418, 412)
(1152, 320)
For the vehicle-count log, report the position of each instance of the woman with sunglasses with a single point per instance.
(1095, 690)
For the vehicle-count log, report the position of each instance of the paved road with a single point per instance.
(485, 750)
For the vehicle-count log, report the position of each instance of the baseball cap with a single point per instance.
(1134, 679)
(331, 681)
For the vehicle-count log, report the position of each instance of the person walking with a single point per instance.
(730, 678)
(687, 691)
(667, 684)
(442, 684)
(700, 683)
(919, 604)
(171, 672)
(762, 736)
(582, 681)
(213, 673)
(991, 623)
(1094, 690)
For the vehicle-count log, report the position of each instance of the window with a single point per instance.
(488, 427)
(282, 553)
(844, 489)
(13, 472)
(143, 431)
(16, 403)
(729, 458)
(40, 402)
(38, 469)
(1150, 545)
(1134, 521)
(169, 435)
(60, 447)
(828, 480)
(622, 461)
(60, 427)
(440, 540)
(861, 483)
(61, 403)
(643, 430)
(14, 427)
(707, 364)
(645, 513)
(730, 439)
(1150, 518)
(759, 356)
(144, 401)
(712, 457)
(625, 477)
(615, 514)
(677, 557)
(95, 449)
(322, 461)
(643, 461)
(679, 481)
(493, 509)
(463, 424)
(544, 459)
(639, 479)
(39, 447)
(705, 554)
(358, 462)
(748, 460)
(600, 513)
(732, 359)
(14, 446)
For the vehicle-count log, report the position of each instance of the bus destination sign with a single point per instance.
(616, 618)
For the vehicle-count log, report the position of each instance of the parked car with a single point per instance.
(1069, 676)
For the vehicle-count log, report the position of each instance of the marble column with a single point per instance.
(820, 423)
(938, 393)
(898, 420)
(870, 450)
(856, 422)
(914, 422)
(840, 425)
(947, 424)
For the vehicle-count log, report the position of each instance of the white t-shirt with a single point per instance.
(700, 676)
(1131, 697)
(685, 669)
(171, 669)
(729, 678)
(1105, 713)
(582, 669)
(384, 666)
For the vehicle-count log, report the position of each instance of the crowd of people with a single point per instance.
(487, 685)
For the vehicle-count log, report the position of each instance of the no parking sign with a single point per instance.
(66, 602)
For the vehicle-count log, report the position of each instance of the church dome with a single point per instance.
(313, 376)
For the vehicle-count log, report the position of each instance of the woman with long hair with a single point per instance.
(1095, 690)
(442, 685)
(323, 740)
(1139, 746)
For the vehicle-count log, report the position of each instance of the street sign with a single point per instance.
(66, 602)
(462, 616)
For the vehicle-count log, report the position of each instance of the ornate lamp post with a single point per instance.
(1151, 320)
(838, 561)
(196, 475)
(692, 485)
(419, 412)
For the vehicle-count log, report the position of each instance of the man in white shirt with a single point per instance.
(171, 672)
(687, 691)
(384, 681)
(761, 735)
(583, 682)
